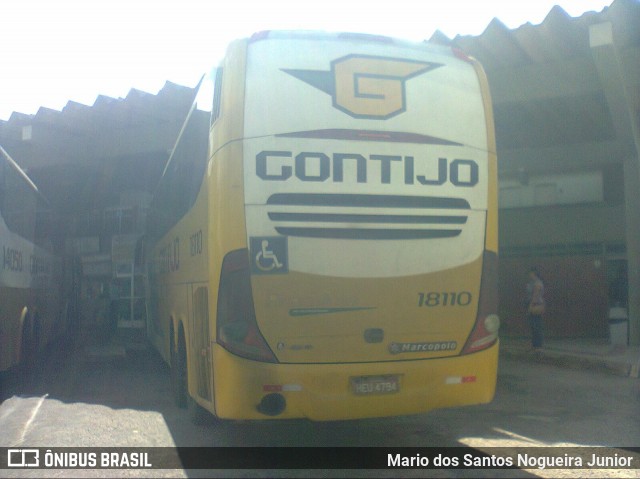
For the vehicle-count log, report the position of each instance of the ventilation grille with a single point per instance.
(367, 217)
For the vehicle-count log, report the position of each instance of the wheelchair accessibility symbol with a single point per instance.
(266, 260)
(269, 255)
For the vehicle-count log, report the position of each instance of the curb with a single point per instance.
(564, 359)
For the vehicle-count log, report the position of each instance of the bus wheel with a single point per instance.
(179, 371)
(197, 414)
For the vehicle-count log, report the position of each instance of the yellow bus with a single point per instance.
(30, 286)
(325, 244)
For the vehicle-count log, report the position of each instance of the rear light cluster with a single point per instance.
(485, 331)
(237, 329)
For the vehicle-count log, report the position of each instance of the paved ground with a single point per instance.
(112, 396)
(588, 354)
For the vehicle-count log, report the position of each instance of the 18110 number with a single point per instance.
(433, 299)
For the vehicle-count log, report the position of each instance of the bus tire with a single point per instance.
(172, 364)
(197, 414)
(179, 370)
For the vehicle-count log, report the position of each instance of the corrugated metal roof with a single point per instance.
(161, 105)
(559, 37)
(550, 106)
(107, 128)
(547, 92)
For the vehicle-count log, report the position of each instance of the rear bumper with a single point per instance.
(323, 391)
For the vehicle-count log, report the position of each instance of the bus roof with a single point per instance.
(353, 37)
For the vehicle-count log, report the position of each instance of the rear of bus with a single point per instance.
(370, 211)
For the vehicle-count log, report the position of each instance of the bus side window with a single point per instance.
(2, 186)
(217, 94)
(180, 184)
(19, 204)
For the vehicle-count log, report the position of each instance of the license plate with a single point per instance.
(369, 385)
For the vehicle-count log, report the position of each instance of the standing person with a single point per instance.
(535, 307)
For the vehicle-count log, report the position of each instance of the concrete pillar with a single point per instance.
(623, 114)
(632, 239)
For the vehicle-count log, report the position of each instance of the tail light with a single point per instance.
(485, 330)
(237, 329)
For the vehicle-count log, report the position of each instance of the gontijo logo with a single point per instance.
(364, 86)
